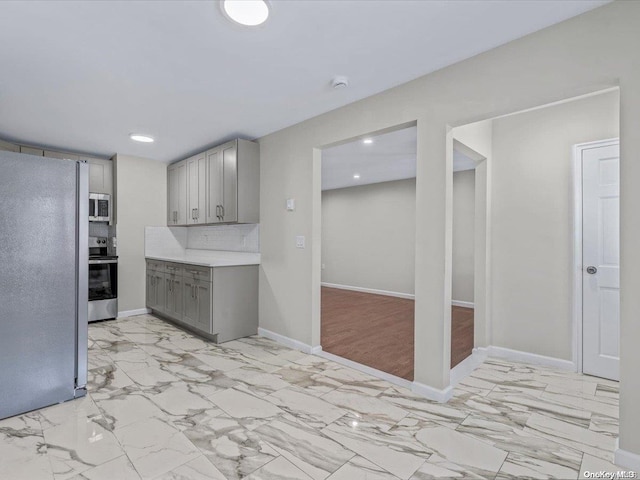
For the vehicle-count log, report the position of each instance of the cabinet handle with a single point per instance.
(222, 210)
(197, 213)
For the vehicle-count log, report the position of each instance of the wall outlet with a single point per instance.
(291, 204)
(300, 241)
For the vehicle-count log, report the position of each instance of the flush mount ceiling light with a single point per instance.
(356, 176)
(367, 141)
(138, 137)
(246, 12)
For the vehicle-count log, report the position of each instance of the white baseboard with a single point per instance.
(467, 366)
(132, 313)
(288, 342)
(441, 396)
(401, 382)
(519, 356)
(369, 290)
(626, 459)
(460, 303)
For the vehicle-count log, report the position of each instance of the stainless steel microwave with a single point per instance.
(99, 207)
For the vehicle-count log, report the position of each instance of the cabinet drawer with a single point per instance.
(198, 273)
(156, 266)
(174, 269)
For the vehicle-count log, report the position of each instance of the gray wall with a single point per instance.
(532, 242)
(368, 236)
(534, 70)
(141, 200)
(463, 235)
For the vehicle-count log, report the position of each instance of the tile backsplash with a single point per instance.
(173, 241)
(99, 229)
(235, 238)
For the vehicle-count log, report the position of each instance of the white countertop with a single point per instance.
(210, 258)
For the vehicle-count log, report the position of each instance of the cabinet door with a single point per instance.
(197, 189)
(9, 147)
(172, 195)
(189, 302)
(214, 186)
(174, 296)
(155, 290)
(151, 297)
(230, 182)
(32, 151)
(177, 194)
(63, 155)
(203, 299)
(100, 175)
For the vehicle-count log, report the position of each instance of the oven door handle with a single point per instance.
(101, 262)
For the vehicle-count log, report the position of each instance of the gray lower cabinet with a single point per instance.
(174, 292)
(220, 303)
(156, 290)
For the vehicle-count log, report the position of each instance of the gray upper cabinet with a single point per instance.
(177, 193)
(100, 170)
(38, 152)
(222, 185)
(63, 155)
(214, 184)
(9, 147)
(197, 189)
(100, 175)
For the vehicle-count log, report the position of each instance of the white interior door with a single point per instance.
(601, 261)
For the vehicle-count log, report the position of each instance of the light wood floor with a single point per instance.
(378, 331)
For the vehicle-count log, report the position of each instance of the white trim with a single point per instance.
(625, 458)
(534, 358)
(467, 366)
(577, 244)
(401, 382)
(460, 303)
(133, 313)
(369, 290)
(430, 393)
(288, 342)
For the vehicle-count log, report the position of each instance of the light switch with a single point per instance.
(300, 241)
(291, 204)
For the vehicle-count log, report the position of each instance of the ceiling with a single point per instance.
(390, 156)
(82, 76)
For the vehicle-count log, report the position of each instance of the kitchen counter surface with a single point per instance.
(210, 258)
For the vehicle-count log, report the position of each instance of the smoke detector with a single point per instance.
(340, 82)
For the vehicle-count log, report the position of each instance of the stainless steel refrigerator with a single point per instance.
(43, 281)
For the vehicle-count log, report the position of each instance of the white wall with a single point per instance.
(141, 200)
(534, 70)
(532, 243)
(368, 236)
(463, 235)
(478, 137)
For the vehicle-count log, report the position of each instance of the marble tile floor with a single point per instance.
(164, 404)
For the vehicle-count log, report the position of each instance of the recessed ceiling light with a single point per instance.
(138, 137)
(367, 141)
(246, 12)
(356, 176)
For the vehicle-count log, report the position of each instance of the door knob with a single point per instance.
(592, 270)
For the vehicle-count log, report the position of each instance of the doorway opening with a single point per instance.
(368, 251)
(465, 161)
(531, 263)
